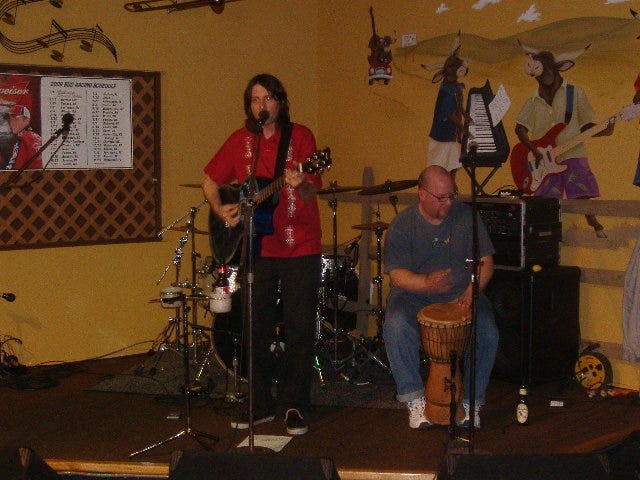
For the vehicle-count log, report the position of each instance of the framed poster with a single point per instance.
(79, 156)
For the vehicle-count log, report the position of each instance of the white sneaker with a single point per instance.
(416, 414)
(466, 421)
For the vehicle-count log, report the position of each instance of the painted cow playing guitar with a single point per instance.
(556, 113)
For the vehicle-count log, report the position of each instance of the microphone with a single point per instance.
(263, 116)
(9, 297)
(67, 120)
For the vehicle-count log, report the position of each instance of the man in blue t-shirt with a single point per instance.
(426, 256)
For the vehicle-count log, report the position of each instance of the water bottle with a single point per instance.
(220, 300)
(522, 408)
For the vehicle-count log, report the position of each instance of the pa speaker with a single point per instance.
(537, 314)
(526, 467)
(24, 464)
(199, 465)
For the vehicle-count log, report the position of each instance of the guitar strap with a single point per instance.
(283, 147)
(569, 110)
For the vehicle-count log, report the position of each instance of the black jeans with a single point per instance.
(285, 291)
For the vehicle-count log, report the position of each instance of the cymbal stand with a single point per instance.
(192, 285)
(378, 312)
(197, 435)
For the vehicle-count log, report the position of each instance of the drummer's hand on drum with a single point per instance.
(229, 213)
(465, 297)
(439, 281)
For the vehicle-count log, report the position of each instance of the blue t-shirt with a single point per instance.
(417, 245)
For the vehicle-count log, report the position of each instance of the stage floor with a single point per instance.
(68, 422)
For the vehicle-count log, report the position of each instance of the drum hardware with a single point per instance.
(183, 228)
(334, 330)
(334, 188)
(378, 228)
(197, 435)
(388, 187)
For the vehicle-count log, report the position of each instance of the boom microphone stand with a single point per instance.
(188, 430)
(67, 119)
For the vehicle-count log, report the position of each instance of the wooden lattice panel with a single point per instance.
(81, 207)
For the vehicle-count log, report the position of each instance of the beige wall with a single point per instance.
(76, 303)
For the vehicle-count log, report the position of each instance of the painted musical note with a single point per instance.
(58, 55)
(57, 34)
(85, 44)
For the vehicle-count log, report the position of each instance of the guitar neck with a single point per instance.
(269, 190)
(560, 149)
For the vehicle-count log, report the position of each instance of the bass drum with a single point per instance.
(227, 339)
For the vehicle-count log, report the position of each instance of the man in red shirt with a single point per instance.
(289, 262)
(27, 141)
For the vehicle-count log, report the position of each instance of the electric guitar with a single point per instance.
(225, 239)
(528, 174)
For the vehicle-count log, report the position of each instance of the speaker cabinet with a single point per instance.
(199, 465)
(588, 466)
(537, 314)
(24, 464)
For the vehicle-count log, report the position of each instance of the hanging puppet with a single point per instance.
(555, 115)
(448, 123)
(380, 55)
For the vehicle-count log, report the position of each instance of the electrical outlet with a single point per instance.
(408, 40)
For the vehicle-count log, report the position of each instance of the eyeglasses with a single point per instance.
(262, 100)
(443, 198)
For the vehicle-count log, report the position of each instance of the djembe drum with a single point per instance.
(445, 328)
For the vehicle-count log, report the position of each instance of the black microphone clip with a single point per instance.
(263, 116)
(67, 120)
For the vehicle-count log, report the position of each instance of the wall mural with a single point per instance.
(550, 159)
(57, 33)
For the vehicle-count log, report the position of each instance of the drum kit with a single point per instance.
(221, 340)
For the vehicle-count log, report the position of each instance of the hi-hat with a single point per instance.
(372, 226)
(388, 187)
(183, 228)
(339, 189)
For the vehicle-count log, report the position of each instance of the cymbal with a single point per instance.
(388, 187)
(183, 228)
(372, 226)
(191, 185)
(339, 189)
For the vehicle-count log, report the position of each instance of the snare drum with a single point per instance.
(445, 329)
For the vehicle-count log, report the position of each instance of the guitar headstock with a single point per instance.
(630, 112)
(318, 161)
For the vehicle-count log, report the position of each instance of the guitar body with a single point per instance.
(526, 174)
(225, 240)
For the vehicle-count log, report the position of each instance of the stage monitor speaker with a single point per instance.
(587, 466)
(537, 314)
(199, 465)
(24, 464)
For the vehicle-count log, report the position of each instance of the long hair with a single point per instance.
(276, 90)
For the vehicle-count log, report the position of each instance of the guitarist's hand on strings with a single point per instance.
(229, 213)
(298, 180)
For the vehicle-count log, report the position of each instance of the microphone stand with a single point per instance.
(247, 211)
(16, 174)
